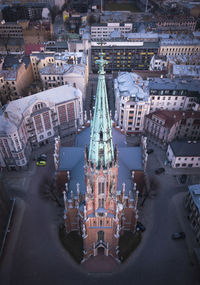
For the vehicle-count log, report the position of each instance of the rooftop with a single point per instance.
(15, 109)
(72, 158)
(171, 117)
(131, 85)
(60, 70)
(184, 148)
(174, 84)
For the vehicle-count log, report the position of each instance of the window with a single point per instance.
(49, 133)
(177, 164)
(100, 236)
(101, 186)
(41, 137)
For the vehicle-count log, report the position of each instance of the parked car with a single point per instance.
(159, 170)
(41, 162)
(178, 235)
(183, 179)
(149, 151)
(140, 227)
(43, 156)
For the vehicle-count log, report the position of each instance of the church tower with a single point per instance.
(101, 223)
(107, 207)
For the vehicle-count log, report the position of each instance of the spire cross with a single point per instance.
(101, 61)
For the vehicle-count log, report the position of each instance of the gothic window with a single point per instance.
(100, 236)
(101, 187)
(101, 203)
(101, 223)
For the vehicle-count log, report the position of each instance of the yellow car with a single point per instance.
(41, 162)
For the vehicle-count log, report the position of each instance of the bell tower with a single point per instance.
(101, 229)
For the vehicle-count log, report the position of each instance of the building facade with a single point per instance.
(104, 30)
(32, 121)
(106, 208)
(132, 102)
(136, 98)
(184, 154)
(15, 80)
(124, 54)
(165, 126)
(55, 69)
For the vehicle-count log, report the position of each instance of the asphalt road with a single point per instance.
(34, 255)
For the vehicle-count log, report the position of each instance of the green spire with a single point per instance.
(101, 146)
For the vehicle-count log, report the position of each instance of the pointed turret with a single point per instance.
(101, 146)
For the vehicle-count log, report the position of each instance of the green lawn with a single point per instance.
(128, 242)
(72, 242)
(121, 7)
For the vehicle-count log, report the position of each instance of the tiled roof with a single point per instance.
(171, 117)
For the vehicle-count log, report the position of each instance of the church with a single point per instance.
(100, 193)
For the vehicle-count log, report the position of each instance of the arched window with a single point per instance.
(100, 236)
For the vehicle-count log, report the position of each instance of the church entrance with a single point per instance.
(100, 250)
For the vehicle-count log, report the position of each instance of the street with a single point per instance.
(34, 254)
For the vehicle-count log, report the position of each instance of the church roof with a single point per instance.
(72, 159)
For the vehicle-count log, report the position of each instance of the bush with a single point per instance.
(72, 242)
(128, 242)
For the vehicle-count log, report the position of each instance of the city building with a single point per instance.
(10, 30)
(135, 98)
(192, 205)
(100, 196)
(174, 94)
(15, 77)
(104, 30)
(124, 54)
(175, 23)
(132, 102)
(32, 121)
(164, 126)
(179, 46)
(54, 69)
(184, 154)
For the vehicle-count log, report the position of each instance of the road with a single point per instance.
(34, 255)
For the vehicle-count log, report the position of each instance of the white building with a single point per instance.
(104, 30)
(174, 94)
(32, 121)
(184, 154)
(132, 101)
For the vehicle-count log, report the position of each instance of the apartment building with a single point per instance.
(164, 126)
(15, 78)
(104, 30)
(10, 30)
(175, 23)
(133, 93)
(179, 46)
(132, 102)
(32, 121)
(124, 54)
(55, 69)
(174, 94)
(184, 154)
